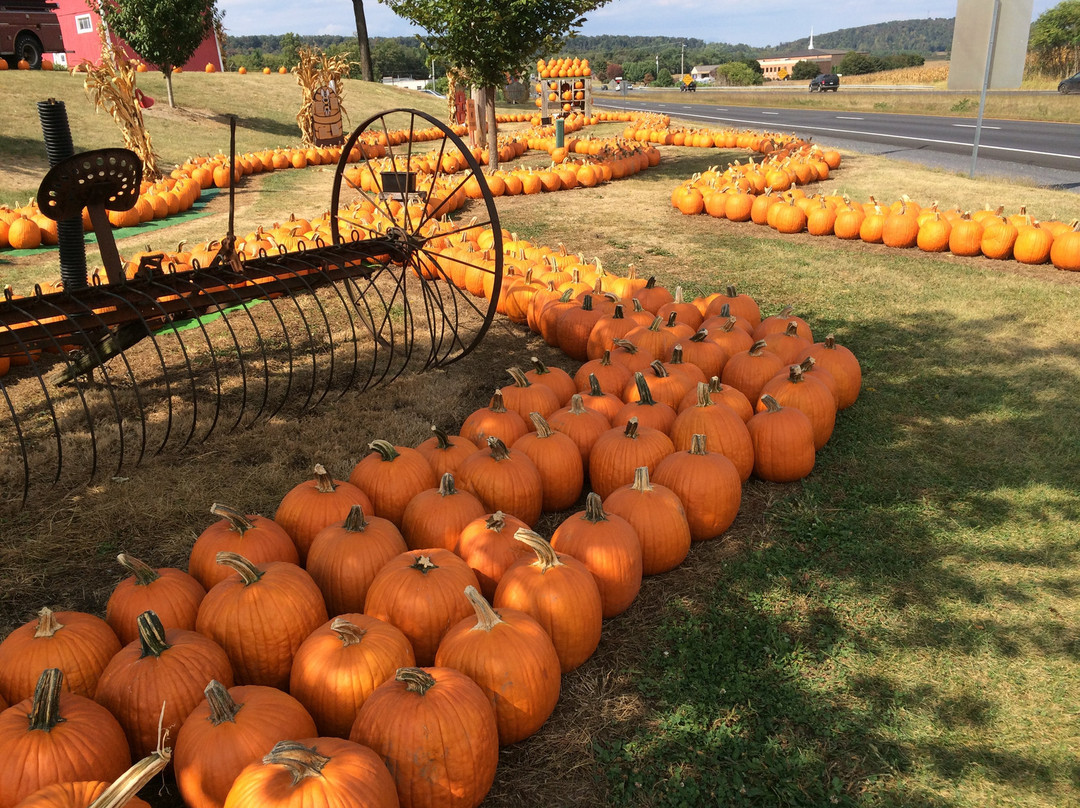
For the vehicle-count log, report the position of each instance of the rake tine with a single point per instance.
(76, 300)
(21, 438)
(270, 287)
(50, 405)
(296, 260)
(125, 304)
(229, 288)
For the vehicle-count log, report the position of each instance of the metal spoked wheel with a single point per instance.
(404, 192)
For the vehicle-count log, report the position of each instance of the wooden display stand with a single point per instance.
(579, 98)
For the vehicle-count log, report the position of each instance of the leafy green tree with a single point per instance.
(738, 74)
(163, 32)
(664, 79)
(486, 39)
(803, 70)
(1054, 41)
(857, 64)
(290, 48)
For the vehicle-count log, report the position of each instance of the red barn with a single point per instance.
(79, 25)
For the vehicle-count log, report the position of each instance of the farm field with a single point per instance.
(896, 629)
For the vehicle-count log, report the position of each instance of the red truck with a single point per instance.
(28, 29)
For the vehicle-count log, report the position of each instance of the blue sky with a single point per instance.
(754, 23)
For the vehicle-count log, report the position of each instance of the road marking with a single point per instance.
(972, 126)
(838, 131)
(848, 118)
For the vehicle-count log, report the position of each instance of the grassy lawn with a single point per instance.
(897, 630)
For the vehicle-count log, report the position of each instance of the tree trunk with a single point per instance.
(167, 70)
(366, 70)
(492, 131)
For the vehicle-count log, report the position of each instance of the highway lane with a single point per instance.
(1042, 152)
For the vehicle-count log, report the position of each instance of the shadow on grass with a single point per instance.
(943, 495)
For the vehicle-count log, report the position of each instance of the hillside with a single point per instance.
(926, 36)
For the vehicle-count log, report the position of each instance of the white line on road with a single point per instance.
(848, 118)
(837, 131)
(972, 126)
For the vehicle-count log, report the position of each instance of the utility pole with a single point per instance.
(682, 60)
(658, 65)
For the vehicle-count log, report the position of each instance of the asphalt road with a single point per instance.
(1041, 153)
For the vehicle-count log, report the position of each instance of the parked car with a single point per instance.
(823, 82)
(1070, 85)
(687, 87)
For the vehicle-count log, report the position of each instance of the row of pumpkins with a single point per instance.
(598, 160)
(452, 620)
(903, 223)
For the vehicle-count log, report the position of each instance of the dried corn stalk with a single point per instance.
(111, 86)
(316, 70)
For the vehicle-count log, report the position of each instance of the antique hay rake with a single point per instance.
(118, 369)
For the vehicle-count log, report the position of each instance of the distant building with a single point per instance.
(407, 83)
(703, 74)
(779, 67)
(80, 25)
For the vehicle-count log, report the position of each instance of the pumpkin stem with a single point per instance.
(496, 521)
(770, 402)
(678, 296)
(249, 573)
(324, 482)
(758, 347)
(356, 522)
(618, 313)
(486, 617)
(45, 707)
(520, 379)
(222, 706)
(594, 386)
(644, 393)
(626, 345)
(700, 335)
(792, 329)
(677, 356)
(416, 680)
(498, 449)
(697, 445)
(446, 485)
(424, 564)
(795, 374)
(807, 364)
(631, 428)
(705, 391)
(143, 572)
(497, 404)
(442, 439)
(128, 784)
(594, 509)
(348, 632)
(577, 404)
(301, 761)
(656, 324)
(47, 624)
(658, 369)
(151, 635)
(637, 305)
(385, 449)
(830, 342)
(237, 521)
(538, 365)
(641, 480)
(543, 428)
(546, 557)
